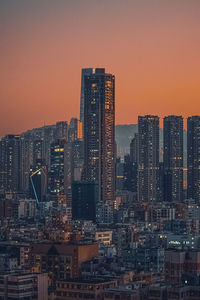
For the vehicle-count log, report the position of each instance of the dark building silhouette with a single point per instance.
(38, 150)
(74, 154)
(193, 158)
(84, 200)
(8, 208)
(77, 160)
(61, 130)
(99, 132)
(148, 158)
(130, 174)
(38, 181)
(57, 167)
(161, 181)
(26, 158)
(119, 174)
(173, 158)
(75, 130)
(84, 72)
(73, 162)
(134, 149)
(48, 133)
(10, 163)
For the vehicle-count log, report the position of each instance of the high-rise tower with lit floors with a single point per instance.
(99, 133)
(84, 72)
(193, 158)
(10, 165)
(148, 158)
(173, 158)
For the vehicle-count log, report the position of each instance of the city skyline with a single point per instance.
(156, 63)
(100, 150)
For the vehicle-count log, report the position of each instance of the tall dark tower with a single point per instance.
(173, 158)
(134, 149)
(193, 158)
(10, 165)
(61, 130)
(57, 167)
(38, 181)
(99, 132)
(85, 71)
(148, 158)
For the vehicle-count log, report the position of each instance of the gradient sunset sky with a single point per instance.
(152, 47)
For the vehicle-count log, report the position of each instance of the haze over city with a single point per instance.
(152, 47)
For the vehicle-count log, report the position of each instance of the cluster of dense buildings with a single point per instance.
(78, 222)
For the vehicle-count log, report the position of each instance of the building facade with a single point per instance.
(84, 200)
(173, 158)
(24, 286)
(193, 158)
(62, 260)
(57, 167)
(10, 163)
(99, 132)
(148, 158)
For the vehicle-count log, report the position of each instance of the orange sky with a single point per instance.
(152, 47)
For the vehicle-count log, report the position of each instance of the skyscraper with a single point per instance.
(26, 158)
(77, 160)
(10, 172)
(61, 130)
(38, 181)
(130, 174)
(119, 174)
(57, 168)
(84, 72)
(134, 149)
(38, 151)
(99, 132)
(173, 158)
(193, 158)
(84, 200)
(75, 130)
(74, 154)
(148, 158)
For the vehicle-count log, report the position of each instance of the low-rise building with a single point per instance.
(83, 289)
(182, 267)
(122, 293)
(62, 260)
(158, 291)
(27, 286)
(104, 237)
